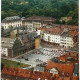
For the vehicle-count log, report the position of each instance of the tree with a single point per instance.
(74, 15)
(3, 15)
(12, 13)
(51, 8)
(73, 22)
(57, 21)
(65, 9)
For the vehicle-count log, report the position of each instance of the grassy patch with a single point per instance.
(13, 64)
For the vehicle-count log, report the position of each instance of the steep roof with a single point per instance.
(53, 30)
(63, 58)
(27, 73)
(63, 68)
(8, 42)
(73, 33)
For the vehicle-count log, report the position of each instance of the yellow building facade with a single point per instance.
(37, 43)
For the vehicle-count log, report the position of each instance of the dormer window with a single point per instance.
(62, 73)
(67, 74)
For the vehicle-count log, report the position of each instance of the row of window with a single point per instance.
(3, 48)
(58, 39)
(66, 43)
(66, 46)
(66, 73)
(52, 37)
(12, 25)
(52, 40)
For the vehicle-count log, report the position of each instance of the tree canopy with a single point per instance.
(50, 8)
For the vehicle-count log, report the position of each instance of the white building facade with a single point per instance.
(51, 38)
(4, 51)
(29, 26)
(64, 41)
(33, 26)
(6, 44)
(14, 21)
(54, 71)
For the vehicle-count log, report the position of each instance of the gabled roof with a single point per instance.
(63, 68)
(27, 73)
(54, 69)
(8, 42)
(63, 58)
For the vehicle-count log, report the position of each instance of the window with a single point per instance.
(67, 74)
(62, 73)
(69, 46)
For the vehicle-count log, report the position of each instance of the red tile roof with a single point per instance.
(53, 30)
(41, 18)
(70, 27)
(63, 78)
(57, 29)
(63, 58)
(75, 78)
(16, 72)
(27, 73)
(66, 68)
(73, 33)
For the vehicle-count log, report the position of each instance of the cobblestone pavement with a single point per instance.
(33, 57)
